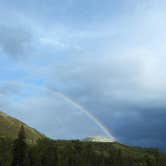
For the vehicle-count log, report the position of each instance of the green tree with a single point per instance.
(19, 149)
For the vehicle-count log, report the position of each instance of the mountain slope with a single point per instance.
(10, 126)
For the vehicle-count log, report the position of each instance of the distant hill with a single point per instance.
(98, 139)
(10, 126)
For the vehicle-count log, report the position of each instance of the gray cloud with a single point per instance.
(15, 41)
(8, 88)
(140, 125)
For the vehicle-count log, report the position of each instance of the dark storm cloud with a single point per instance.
(140, 126)
(15, 41)
(117, 94)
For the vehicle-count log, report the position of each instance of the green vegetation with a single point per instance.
(47, 152)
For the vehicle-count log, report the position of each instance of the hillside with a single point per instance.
(47, 152)
(10, 126)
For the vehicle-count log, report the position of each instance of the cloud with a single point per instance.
(140, 125)
(9, 88)
(114, 67)
(124, 85)
(15, 41)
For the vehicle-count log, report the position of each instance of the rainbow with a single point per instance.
(76, 105)
(82, 109)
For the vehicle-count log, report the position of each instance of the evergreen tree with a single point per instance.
(19, 149)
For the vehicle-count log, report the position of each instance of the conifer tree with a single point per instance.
(19, 149)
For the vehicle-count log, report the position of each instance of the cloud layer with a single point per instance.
(107, 56)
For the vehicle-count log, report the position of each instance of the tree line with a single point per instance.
(47, 152)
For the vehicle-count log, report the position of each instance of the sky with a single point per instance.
(73, 67)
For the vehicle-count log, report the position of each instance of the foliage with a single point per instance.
(47, 152)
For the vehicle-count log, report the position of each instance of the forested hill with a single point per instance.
(47, 152)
